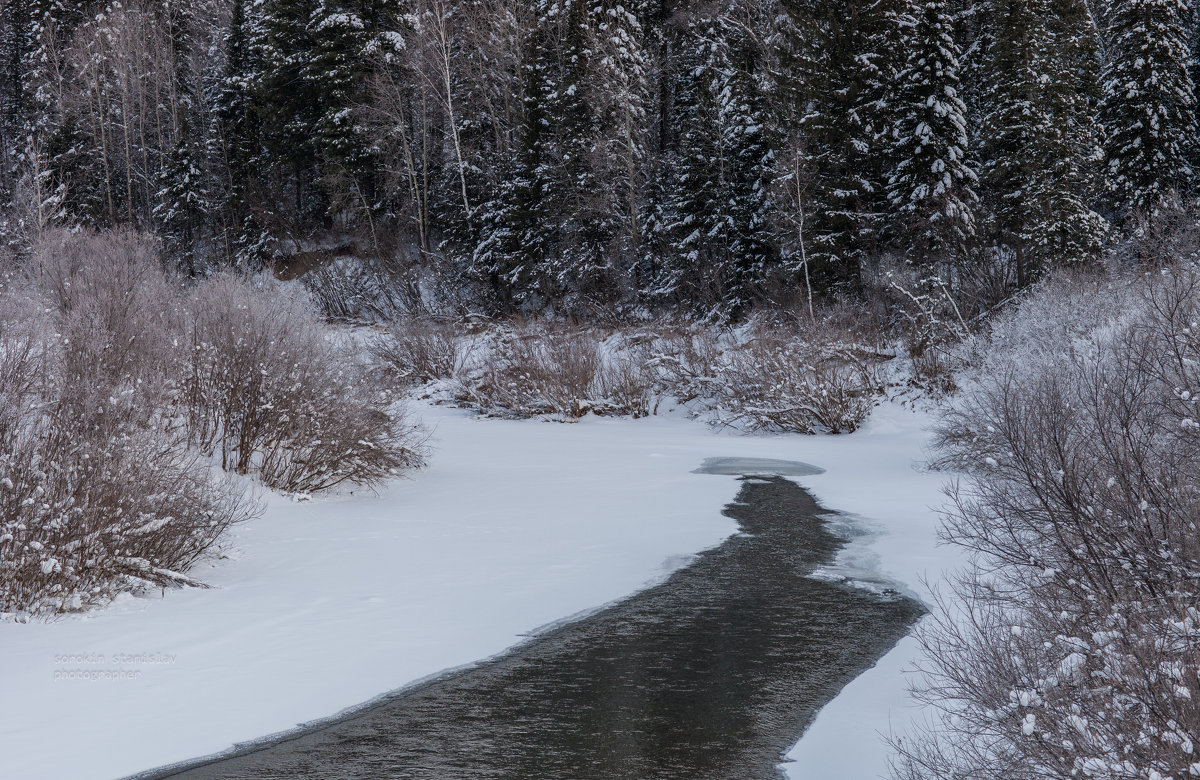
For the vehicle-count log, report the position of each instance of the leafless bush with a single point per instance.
(97, 493)
(787, 383)
(423, 350)
(770, 379)
(626, 386)
(270, 393)
(1071, 647)
(932, 325)
(110, 376)
(541, 371)
(779, 374)
(552, 370)
(1158, 237)
(356, 290)
(116, 308)
(90, 507)
(688, 362)
(1059, 316)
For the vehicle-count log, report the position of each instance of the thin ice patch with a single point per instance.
(757, 467)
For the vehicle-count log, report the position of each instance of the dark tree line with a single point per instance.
(707, 156)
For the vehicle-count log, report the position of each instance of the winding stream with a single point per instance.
(714, 673)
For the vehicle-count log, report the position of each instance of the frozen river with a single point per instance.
(713, 673)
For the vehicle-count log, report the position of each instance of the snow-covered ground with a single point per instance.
(323, 605)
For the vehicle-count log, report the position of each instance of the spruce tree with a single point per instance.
(621, 90)
(1035, 142)
(829, 78)
(752, 249)
(1075, 233)
(181, 203)
(579, 226)
(695, 222)
(515, 242)
(931, 186)
(288, 106)
(723, 247)
(237, 122)
(16, 43)
(342, 33)
(1148, 106)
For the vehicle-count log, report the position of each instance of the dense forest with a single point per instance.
(582, 155)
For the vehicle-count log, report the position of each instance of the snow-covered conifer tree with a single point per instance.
(1036, 142)
(1148, 106)
(931, 186)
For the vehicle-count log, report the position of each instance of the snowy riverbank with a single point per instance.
(324, 605)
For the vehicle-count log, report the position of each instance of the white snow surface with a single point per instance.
(323, 605)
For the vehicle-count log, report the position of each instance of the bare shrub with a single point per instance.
(424, 350)
(767, 379)
(97, 493)
(1071, 646)
(356, 290)
(626, 386)
(91, 506)
(538, 372)
(1059, 316)
(931, 323)
(778, 374)
(116, 307)
(687, 361)
(270, 393)
(776, 382)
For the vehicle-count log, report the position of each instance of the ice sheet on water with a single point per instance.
(757, 466)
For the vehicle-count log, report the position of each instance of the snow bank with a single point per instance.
(326, 604)
(896, 502)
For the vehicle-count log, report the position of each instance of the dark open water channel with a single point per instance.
(714, 673)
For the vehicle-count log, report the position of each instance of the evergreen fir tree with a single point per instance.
(1148, 107)
(695, 222)
(723, 247)
(752, 251)
(931, 187)
(73, 182)
(620, 79)
(1035, 142)
(579, 226)
(237, 121)
(16, 43)
(181, 203)
(1075, 233)
(837, 56)
(342, 33)
(287, 103)
(515, 242)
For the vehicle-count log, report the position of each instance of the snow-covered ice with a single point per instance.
(326, 604)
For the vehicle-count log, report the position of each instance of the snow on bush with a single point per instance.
(98, 492)
(563, 372)
(268, 391)
(770, 375)
(424, 350)
(117, 384)
(807, 382)
(1071, 647)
